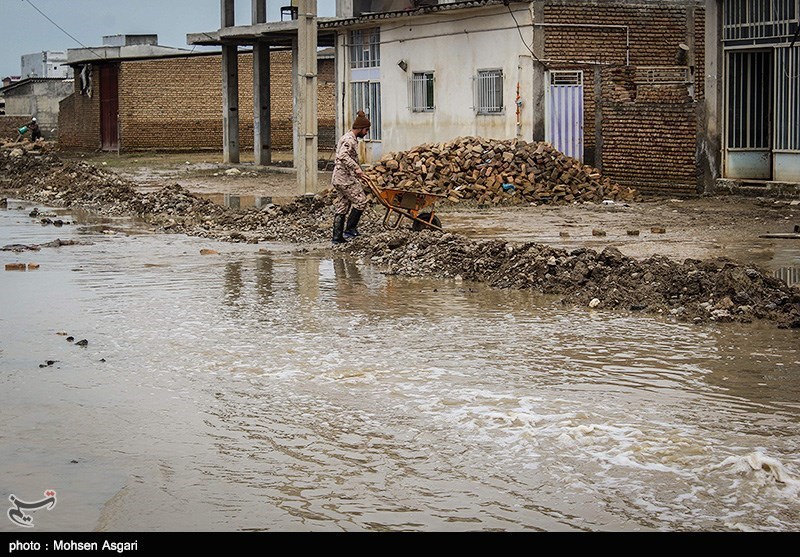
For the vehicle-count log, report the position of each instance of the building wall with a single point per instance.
(47, 63)
(649, 134)
(454, 51)
(176, 103)
(576, 35)
(653, 31)
(79, 118)
(39, 99)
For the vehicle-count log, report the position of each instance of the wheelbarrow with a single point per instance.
(402, 203)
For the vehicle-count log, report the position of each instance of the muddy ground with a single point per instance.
(667, 257)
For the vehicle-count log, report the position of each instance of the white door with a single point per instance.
(564, 117)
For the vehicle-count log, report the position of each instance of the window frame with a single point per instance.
(423, 95)
(484, 94)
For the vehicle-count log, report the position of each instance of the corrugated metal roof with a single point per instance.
(422, 10)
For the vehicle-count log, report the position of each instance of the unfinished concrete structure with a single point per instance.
(298, 34)
(39, 97)
(139, 97)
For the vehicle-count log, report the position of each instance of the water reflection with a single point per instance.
(791, 275)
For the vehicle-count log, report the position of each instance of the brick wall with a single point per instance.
(649, 134)
(79, 118)
(655, 29)
(176, 104)
(9, 124)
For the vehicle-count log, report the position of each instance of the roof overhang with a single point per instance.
(372, 17)
(276, 33)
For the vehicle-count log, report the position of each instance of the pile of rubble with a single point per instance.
(496, 172)
(699, 291)
(49, 180)
(696, 291)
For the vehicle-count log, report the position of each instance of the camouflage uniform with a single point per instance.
(349, 191)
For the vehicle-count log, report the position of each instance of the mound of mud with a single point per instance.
(49, 180)
(698, 291)
(717, 290)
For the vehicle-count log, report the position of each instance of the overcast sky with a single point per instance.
(23, 30)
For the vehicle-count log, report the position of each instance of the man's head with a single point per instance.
(361, 125)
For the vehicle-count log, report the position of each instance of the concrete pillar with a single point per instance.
(262, 113)
(344, 8)
(710, 114)
(598, 118)
(259, 8)
(227, 13)
(539, 84)
(230, 104)
(306, 157)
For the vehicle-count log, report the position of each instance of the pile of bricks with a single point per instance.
(490, 171)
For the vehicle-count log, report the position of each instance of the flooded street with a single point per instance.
(264, 389)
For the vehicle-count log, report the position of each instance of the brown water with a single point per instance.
(283, 391)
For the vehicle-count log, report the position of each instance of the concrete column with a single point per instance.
(227, 13)
(710, 114)
(306, 157)
(262, 113)
(259, 8)
(598, 118)
(539, 84)
(344, 8)
(230, 104)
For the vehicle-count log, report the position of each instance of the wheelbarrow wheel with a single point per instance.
(416, 226)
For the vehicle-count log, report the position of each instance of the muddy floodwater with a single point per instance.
(260, 388)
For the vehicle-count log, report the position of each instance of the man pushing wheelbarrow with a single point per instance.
(346, 181)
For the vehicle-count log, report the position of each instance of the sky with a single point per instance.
(23, 30)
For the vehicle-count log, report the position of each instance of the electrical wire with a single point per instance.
(61, 28)
(520, 35)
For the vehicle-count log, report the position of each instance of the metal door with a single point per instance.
(749, 115)
(564, 117)
(109, 107)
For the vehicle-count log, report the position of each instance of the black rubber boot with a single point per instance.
(338, 229)
(352, 222)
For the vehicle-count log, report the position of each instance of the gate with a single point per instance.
(109, 107)
(564, 120)
(749, 102)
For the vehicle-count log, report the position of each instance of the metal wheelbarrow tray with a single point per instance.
(403, 203)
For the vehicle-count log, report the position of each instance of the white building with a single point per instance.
(454, 71)
(47, 63)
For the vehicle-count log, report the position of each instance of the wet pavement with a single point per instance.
(261, 388)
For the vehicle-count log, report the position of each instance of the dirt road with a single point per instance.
(699, 228)
(701, 259)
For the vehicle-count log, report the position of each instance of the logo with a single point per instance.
(17, 515)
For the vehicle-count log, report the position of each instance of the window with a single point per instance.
(757, 19)
(367, 97)
(489, 92)
(422, 92)
(365, 48)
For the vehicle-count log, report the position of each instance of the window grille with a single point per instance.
(749, 99)
(365, 49)
(489, 92)
(787, 99)
(759, 19)
(366, 96)
(422, 92)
